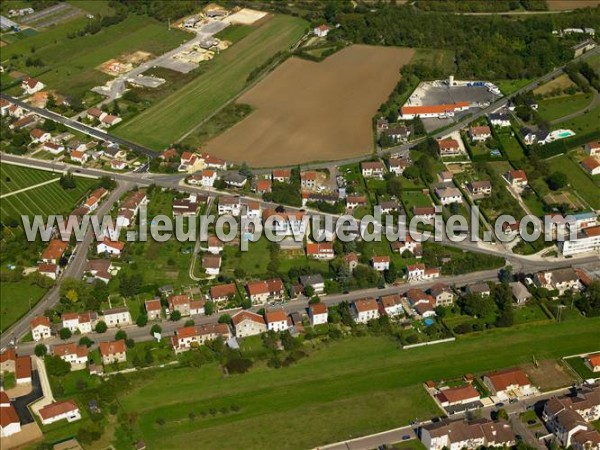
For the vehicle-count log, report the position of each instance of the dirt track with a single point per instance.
(306, 111)
(560, 5)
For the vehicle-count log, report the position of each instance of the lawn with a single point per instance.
(348, 388)
(225, 77)
(15, 299)
(234, 33)
(578, 365)
(433, 58)
(510, 145)
(253, 262)
(509, 86)
(578, 179)
(555, 108)
(583, 124)
(48, 199)
(70, 64)
(411, 199)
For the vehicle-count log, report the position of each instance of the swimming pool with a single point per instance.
(561, 134)
(428, 322)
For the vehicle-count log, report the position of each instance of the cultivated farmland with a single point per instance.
(347, 388)
(307, 111)
(563, 5)
(46, 199)
(224, 78)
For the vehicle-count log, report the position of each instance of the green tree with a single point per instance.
(142, 320)
(40, 350)
(225, 318)
(56, 367)
(121, 334)
(101, 327)
(65, 333)
(209, 308)
(156, 328)
(557, 180)
(308, 290)
(175, 316)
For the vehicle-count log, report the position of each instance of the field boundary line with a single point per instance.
(53, 180)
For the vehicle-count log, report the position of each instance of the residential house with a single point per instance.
(24, 122)
(480, 134)
(31, 85)
(459, 395)
(54, 149)
(76, 355)
(562, 280)
(592, 148)
(315, 281)
(389, 206)
(110, 247)
(215, 246)
(308, 180)
(212, 162)
(351, 259)
(408, 245)
(591, 165)
(520, 292)
(418, 272)
(185, 207)
(372, 169)
(223, 292)
(320, 250)
(211, 264)
(188, 337)
(445, 176)
(197, 307)
(95, 113)
(247, 323)
(79, 157)
(355, 201)
(153, 309)
(425, 213)
(80, 322)
(593, 362)
(229, 205)
(39, 136)
(587, 240)
(442, 294)
(260, 292)
(169, 154)
(118, 164)
(398, 166)
(66, 410)
(321, 30)
(482, 289)
(54, 251)
(500, 119)
(23, 370)
(100, 269)
(116, 317)
(207, 178)
(448, 147)
(8, 359)
(396, 133)
(180, 303)
(109, 120)
(234, 179)
(317, 313)
(380, 263)
(48, 270)
(480, 188)
(285, 224)
(365, 309)
(4, 107)
(460, 434)
(448, 195)
(282, 175)
(276, 320)
(391, 305)
(9, 419)
(40, 328)
(113, 352)
(508, 383)
(263, 186)
(382, 124)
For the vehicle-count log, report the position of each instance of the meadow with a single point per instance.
(16, 299)
(578, 179)
(345, 389)
(70, 65)
(555, 108)
(224, 78)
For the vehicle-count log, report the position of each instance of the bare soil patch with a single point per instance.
(561, 82)
(306, 111)
(564, 197)
(561, 5)
(550, 374)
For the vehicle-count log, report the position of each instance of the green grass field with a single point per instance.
(555, 108)
(433, 58)
(509, 86)
(578, 365)
(578, 179)
(348, 388)
(70, 64)
(511, 146)
(48, 199)
(14, 301)
(582, 124)
(224, 78)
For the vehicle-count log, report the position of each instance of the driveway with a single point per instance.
(21, 403)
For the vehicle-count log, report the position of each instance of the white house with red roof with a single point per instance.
(320, 250)
(380, 263)
(48, 270)
(54, 149)
(365, 309)
(247, 323)
(31, 85)
(40, 328)
(321, 30)
(593, 362)
(212, 162)
(153, 309)
(110, 247)
(260, 292)
(509, 383)
(38, 135)
(591, 165)
(113, 351)
(9, 419)
(398, 166)
(116, 317)
(318, 313)
(308, 179)
(516, 178)
(76, 355)
(23, 369)
(222, 292)
(408, 245)
(448, 147)
(276, 320)
(79, 157)
(592, 148)
(67, 410)
(372, 169)
(391, 305)
(118, 164)
(480, 134)
(208, 177)
(187, 337)
(80, 322)
(459, 395)
(282, 175)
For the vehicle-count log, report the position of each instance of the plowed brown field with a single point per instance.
(307, 111)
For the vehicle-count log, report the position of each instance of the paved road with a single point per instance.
(595, 102)
(74, 269)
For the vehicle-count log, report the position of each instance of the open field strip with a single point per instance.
(347, 388)
(225, 77)
(555, 108)
(30, 187)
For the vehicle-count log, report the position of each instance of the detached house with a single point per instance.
(38, 136)
(591, 165)
(117, 317)
(247, 323)
(480, 188)
(230, 205)
(40, 328)
(459, 434)
(353, 202)
(320, 250)
(592, 148)
(67, 410)
(380, 263)
(153, 309)
(110, 247)
(442, 294)
(180, 303)
(31, 85)
(408, 245)
(260, 292)
(562, 280)
(516, 178)
(308, 180)
(364, 310)
(187, 337)
(499, 119)
(276, 320)
(317, 313)
(282, 175)
(76, 355)
(80, 322)
(211, 264)
(508, 383)
(222, 292)
(372, 169)
(480, 134)
(113, 352)
(448, 147)
(425, 213)
(391, 305)
(398, 166)
(448, 195)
